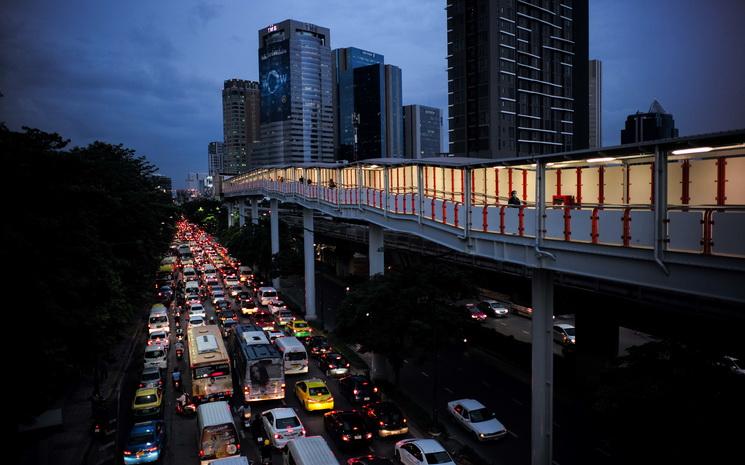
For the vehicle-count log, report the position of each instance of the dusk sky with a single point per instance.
(149, 74)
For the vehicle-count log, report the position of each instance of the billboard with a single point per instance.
(274, 77)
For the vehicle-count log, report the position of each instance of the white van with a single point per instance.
(266, 295)
(293, 353)
(217, 436)
(311, 450)
(156, 356)
(158, 319)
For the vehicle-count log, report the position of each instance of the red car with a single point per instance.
(264, 319)
(475, 313)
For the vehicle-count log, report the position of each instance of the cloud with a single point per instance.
(204, 13)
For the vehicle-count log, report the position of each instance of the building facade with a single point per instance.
(595, 96)
(422, 131)
(214, 158)
(653, 125)
(345, 61)
(394, 113)
(240, 114)
(163, 183)
(297, 114)
(517, 77)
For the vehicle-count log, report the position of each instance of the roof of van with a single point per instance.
(214, 413)
(289, 341)
(313, 449)
(236, 460)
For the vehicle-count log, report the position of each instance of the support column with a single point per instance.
(376, 257)
(310, 264)
(543, 367)
(230, 215)
(375, 254)
(242, 213)
(255, 210)
(274, 225)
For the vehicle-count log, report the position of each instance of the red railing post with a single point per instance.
(686, 183)
(626, 227)
(594, 219)
(567, 224)
(501, 219)
(521, 220)
(485, 214)
(455, 213)
(433, 209)
(444, 211)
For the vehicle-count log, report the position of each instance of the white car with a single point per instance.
(158, 337)
(494, 308)
(421, 452)
(217, 296)
(266, 295)
(232, 281)
(281, 425)
(477, 419)
(564, 334)
(197, 309)
(275, 306)
(196, 322)
(155, 356)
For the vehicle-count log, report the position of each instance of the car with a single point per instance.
(227, 326)
(264, 320)
(145, 442)
(158, 338)
(421, 452)
(232, 281)
(199, 312)
(243, 295)
(147, 402)
(228, 315)
(299, 328)
(477, 419)
(222, 306)
(272, 335)
(731, 364)
(235, 289)
(248, 306)
(347, 427)
(281, 425)
(151, 378)
(266, 294)
(318, 345)
(217, 296)
(197, 307)
(284, 317)
(385, 419)
(155, 356)
(333, 364)
(314, 395)
(359, 389)
(494, 308)
(474, 313)
(275, 306)
(564, 334)
(369, 460)
(196, 322)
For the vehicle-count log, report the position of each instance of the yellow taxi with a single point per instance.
(147, 402)
(314, 395)
(299, 328)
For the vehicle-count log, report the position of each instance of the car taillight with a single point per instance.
(246, 389)
(277, 436)
(152, 449)
(347, 365)
(126, 452)
(405, 420)
(345, 437)
(381, 423)
(368, 435)
(375, 389)
(201, 452)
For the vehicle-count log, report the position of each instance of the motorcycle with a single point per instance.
(179, 351)
(176, 377)
(186, 407)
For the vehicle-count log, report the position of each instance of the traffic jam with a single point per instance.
(232, 376)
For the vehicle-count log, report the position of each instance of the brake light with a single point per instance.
(356, 391)
(201, 452)
(405, 420)
(277, 436)
(375, 389)
(347, 365)
(381, 423)
(126, 452)
(152, 449)
(368, 435)
(345, 437)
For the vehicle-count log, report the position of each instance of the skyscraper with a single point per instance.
(345, 61)
(240, 116)
(653, 125)
(517, 77)
(297, 115)
(422, 127)
(214, 158)
(394, 113)
(596, 104)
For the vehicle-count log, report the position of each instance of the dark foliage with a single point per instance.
(83, 242)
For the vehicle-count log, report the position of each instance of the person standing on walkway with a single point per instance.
(514, 200)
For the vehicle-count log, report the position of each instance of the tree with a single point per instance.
(404, 310)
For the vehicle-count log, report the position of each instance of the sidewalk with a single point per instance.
(72, 443)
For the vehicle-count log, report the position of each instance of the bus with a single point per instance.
(294, 354)
(210, 365)
(258, 365)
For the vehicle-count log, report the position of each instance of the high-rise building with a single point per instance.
(422, 131)
(214, 158)
(240, 116)
(517, 77)
(595, 97)
(377, 104)
(163, 183)
(297, 114)
(196, 182)
(345, 61)
(653, 125)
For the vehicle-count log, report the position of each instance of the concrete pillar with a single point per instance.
(230, 215)
(242, 213)
(376, 255)
(543, 367)
(255, 210)
(274, 226)
(310, 264)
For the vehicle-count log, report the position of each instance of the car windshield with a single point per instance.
(301, 325)
(569, 331)
(389, 413)
(155, 336)
(284, 423)
(148, 399)
(196, 321)
(158, 319)
(221, 369)
(151, 376)
(295, 356)
(154, 354)
(438, 457)
(479, 415)
(352, 422)
(197, 308)
(318, 391)
(141, 438)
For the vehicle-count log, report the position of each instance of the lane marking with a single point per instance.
(447, 389)
(526, 332)
(425, 374)
(406, 361)
(512, 434)
(503, 324)
(516, 401)
(106, 446)
(486, 384)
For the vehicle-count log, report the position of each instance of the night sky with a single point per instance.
(148, 74)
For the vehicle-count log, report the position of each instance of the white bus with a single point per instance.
(294, 355)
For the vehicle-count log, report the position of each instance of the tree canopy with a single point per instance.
(84, 234)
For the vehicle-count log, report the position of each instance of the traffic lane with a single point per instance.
(498, 393)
